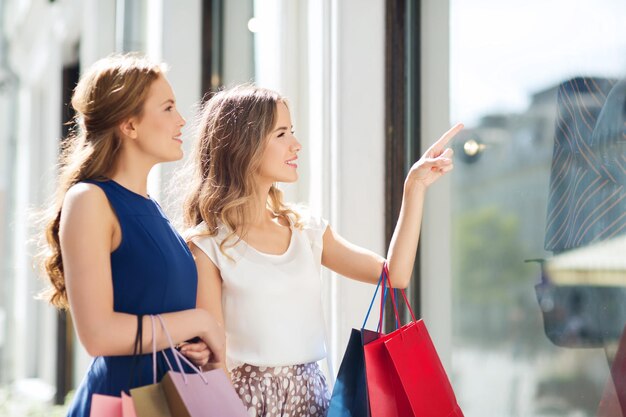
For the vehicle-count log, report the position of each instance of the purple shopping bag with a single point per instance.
(201, 394)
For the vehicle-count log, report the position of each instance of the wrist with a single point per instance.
(412, 186)
(204, 319)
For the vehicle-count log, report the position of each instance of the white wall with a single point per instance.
(356, 147)
(97, 30)
(281, 63)
(37, 49)
(181, 50)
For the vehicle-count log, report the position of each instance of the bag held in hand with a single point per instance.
(404, 374)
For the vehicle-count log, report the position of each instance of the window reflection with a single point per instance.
(539, 210)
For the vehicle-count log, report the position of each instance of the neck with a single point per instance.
(257, 213)
(132, 171)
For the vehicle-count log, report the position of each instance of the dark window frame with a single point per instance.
(402, 125)
(212, 55)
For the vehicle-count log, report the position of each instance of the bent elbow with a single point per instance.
(94, 346)
(400, 285)
(399, 281)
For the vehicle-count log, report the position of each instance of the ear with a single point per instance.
(129, 128)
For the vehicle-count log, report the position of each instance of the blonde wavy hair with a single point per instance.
(112, 90)
(233, 130)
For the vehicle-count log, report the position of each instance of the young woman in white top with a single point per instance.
(259, 259)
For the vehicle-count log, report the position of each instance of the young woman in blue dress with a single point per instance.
(112, 255)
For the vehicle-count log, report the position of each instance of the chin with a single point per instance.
(177, 156)
(290, 180)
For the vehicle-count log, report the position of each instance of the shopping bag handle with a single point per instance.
(381, 280)
(406, 301)
(386, 283)
(369, 310)
(177, 355)
(394, 303)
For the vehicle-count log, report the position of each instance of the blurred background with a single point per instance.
(521, 267)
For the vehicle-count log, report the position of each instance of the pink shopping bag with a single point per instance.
(105, 406)
(128, 408)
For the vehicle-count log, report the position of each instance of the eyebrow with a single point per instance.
(282, 128)
(169, 100)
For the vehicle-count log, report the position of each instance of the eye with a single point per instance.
(169, 108)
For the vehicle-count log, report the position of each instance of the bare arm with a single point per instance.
(210, 294)
(86, 234)
(350, 260)
(361, 264)
(436, 162)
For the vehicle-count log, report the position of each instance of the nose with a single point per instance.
(296, 146)
(182, 122)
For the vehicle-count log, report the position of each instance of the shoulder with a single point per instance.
(203, 241)
(86, 208)
(85, 196)
(200, 233)
(308, 218)
(313, 226)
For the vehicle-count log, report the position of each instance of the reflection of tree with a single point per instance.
(490, 287)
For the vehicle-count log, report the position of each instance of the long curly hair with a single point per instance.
(112, 90)
(232, 133)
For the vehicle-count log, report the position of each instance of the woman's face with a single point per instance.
(279, 162)
(159, 129)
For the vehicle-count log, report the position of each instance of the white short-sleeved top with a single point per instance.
(271, 303)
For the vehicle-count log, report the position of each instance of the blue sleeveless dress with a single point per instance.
(153, 272)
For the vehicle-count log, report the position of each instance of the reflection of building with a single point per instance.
(513, 170)
(500, 202)
(587, 195)
(600, 264)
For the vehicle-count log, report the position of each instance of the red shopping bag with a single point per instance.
(405, 376)
(349, 397)
(384, 388)
(420, 372)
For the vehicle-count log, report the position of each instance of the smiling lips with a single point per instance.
(178, 138)
(292, 162)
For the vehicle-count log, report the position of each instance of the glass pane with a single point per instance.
(539, 207)
(238, 32)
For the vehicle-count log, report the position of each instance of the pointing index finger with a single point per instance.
(446, 137)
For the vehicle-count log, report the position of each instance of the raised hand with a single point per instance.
(435, 162)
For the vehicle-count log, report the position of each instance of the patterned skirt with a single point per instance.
(282, 391)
